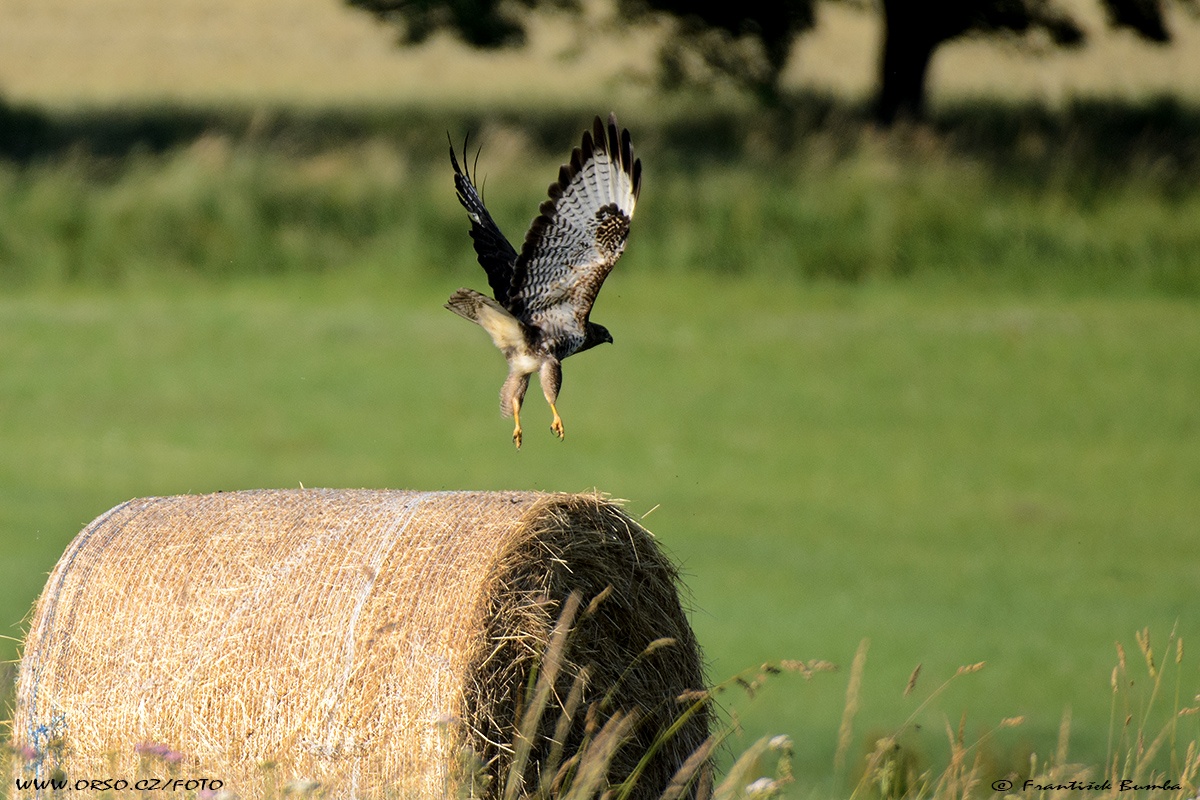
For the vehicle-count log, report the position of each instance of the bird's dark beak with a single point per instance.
(608, 338)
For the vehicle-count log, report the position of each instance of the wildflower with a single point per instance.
(157, 750)
(763, 787)
(301, 786)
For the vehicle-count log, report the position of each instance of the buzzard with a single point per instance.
(542, 296)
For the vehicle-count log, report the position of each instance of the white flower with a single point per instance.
(763, 787)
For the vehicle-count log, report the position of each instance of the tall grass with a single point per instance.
(215, 211)
(1154, 744)
(820, 198)
(1154, 749)
(1153, 752)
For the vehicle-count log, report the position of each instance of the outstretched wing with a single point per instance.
(495, 253)
(580, 232)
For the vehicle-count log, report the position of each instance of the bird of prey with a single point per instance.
(542, 296)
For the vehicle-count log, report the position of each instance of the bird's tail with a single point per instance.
(506, 331)
(466, 303)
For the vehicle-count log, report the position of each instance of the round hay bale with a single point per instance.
(365, 640)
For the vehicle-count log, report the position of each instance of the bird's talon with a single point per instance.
(557, 427)
(517, 438)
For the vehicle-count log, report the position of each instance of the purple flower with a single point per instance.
(159, 751)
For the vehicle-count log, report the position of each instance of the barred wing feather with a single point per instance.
(580, 232)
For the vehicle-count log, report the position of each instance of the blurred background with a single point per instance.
(907, 337)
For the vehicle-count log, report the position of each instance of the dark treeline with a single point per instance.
(1108, 138)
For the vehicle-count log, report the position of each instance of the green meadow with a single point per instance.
(898, 389)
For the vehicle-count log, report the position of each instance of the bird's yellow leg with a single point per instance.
(516, 406)
(557, 425)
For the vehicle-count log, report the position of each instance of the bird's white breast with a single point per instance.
(525, 363)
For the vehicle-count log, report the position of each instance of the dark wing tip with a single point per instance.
(453, 157)
(588, 146)
(619, 144)
(461, 173)
(602, 138)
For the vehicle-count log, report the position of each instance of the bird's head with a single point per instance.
(595, 334)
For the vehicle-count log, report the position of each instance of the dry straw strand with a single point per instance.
(853, 690)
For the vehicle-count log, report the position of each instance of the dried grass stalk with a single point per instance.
(362, 639)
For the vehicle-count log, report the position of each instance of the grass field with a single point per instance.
(958, 478)
(974, 442)
(936, 390)
(318, 53)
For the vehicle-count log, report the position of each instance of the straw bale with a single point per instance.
(361, 639)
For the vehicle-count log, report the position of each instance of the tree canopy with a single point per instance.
(914, 29)
(750, 41)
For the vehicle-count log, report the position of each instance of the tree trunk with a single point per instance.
(909, 40)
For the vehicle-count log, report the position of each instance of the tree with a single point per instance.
(914, 29)
(750, 40)
(747, 40)
(480, 23)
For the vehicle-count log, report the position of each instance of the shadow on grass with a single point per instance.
(1107, 139)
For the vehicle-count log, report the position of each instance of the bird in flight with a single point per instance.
(542, 296)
